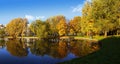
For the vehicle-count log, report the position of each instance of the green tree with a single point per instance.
(16, 27)
(86, 20)
(2, 32)
(53, 21)
(40, 28)
(105, 12)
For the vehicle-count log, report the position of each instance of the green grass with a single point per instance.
(108, 54)
(98, 37)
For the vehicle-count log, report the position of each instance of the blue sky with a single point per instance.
(38, 9)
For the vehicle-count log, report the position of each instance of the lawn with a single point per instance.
(88, 37)
(108, 54)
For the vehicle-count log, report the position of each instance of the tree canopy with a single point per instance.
(62, 27)
(74, 25)
(40, 28)
(99, 17)
(16, 27)
(105, 12)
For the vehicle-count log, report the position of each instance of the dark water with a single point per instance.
(43, 52)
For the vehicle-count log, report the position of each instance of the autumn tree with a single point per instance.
(53, 21)
(75, 26)
(105, 12)
(16, 27)
(117, 16)
(86, 20)
(25, 27)
(40, 28)
(118, 27)
(62, 27)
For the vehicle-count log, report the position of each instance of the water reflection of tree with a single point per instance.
(53, 52)
(62, 49)
(56, 50)
(81, 48)
(2, 44)
(17, 48)
(39, 48)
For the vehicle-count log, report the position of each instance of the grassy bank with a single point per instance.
(94, 37)
(108, 54)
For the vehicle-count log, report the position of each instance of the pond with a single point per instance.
(44, 52)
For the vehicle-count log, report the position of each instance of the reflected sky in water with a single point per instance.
(43, 52)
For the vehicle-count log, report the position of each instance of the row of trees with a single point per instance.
(103, 15)
(51, 28)
(99, 17)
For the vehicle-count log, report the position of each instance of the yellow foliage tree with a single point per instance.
(74, 25)
(86, 20)
(16, 27)
(62, 27)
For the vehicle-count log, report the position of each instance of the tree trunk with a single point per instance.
(76, 33)
(117, 32)
(13, 37)
(22, 35)
(105, 34)
(87, 33)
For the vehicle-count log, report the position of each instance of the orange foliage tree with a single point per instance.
(62, 27)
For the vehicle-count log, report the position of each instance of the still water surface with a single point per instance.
(43, 52)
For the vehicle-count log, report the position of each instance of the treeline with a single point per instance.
(99, 17)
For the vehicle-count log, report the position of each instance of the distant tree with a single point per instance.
(2, 32)
(40, 28)
(75, 26)
(62, 27)
(53, 21)
(16, 27)
(25, 27)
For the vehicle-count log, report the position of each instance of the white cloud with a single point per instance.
(31, 18)
(89, 0)
(78, 8)
(40, 17)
